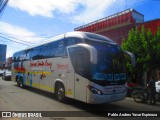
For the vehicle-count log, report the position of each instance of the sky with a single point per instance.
(28, 22)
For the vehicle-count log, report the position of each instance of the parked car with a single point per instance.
(158, 86)
(1, 72)
(6, 75)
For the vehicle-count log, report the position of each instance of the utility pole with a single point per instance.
(3, 4)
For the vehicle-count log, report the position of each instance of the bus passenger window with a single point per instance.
(72, 41)
(61, 50)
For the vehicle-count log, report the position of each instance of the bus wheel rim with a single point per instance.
(60, 93)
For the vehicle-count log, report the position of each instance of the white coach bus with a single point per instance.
(80, 65)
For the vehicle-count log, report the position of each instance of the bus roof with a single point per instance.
(79, 34)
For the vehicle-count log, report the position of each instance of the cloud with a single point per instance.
(18, 32)
(78, 11)
(44, 7)
(10, 32)
(93, 10)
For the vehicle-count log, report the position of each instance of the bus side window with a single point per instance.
(61, 51)
(35, 53)
(72, 40)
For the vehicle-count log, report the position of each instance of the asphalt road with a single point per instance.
(13, 98)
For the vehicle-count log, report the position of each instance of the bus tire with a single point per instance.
(60, 92)
(18, 81)
(21, 83)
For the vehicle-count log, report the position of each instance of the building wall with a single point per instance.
(3, 49)
(118, 34)
(152, 25)
(117, 26)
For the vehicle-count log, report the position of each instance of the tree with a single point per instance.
(146, 48)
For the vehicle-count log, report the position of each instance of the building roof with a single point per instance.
(109, 17)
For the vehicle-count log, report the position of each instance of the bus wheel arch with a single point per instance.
(60, 91)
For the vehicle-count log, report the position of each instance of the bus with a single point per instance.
(80, 65)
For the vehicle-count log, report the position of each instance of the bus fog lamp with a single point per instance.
(94, 90)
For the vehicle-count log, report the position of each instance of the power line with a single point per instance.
(13, 40)
(38, 35)
(3, 4)
(16, 38)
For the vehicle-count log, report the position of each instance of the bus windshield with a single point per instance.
(110, 67)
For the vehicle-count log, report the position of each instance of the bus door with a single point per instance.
(80, 59)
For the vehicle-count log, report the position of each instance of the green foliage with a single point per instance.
(146, 48)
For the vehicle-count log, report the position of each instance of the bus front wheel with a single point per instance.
(60, 92)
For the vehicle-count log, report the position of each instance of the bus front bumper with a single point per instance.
(100, 99)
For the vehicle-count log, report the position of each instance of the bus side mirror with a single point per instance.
(132, 56)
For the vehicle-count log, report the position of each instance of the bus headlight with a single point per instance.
(94, 90)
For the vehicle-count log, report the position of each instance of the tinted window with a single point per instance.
(18, 56)
(110, 67)
(80, 58)
(72, 41)
(34, 53)
(98, 37)
(61, 49)
(50, 50)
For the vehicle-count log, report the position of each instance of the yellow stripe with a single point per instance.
(69, 93)
(35, 84)
(43, 87)
(46, 88)
(34, 72)
(38, 72)
(27, 83)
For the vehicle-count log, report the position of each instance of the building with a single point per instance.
(3, 49)
(118, 25)
(152, 25)
(8, 63)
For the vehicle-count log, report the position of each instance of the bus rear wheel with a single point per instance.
(60, 92)
(20, 82)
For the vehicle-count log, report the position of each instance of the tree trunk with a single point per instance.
(148, 75)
